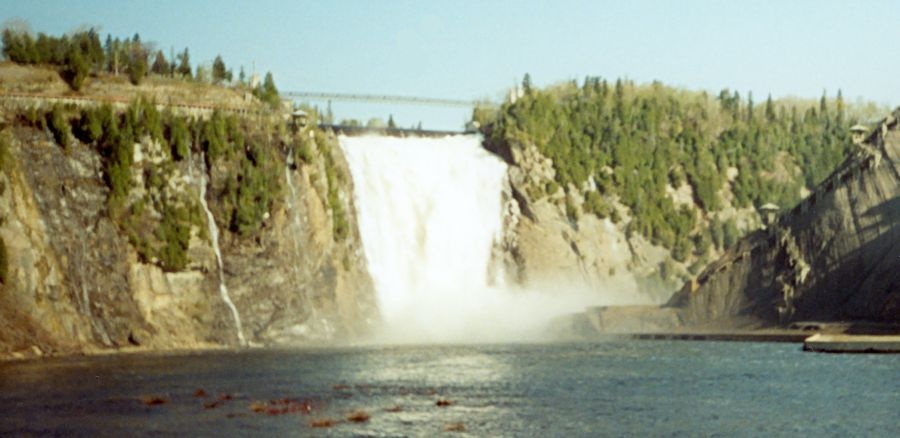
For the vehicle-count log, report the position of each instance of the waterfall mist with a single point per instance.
(429, 212)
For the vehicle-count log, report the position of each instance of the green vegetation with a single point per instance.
(634, 140)
(334, 177)
(79, 55)
(267, 92)
(157, 219)
(244, 170)
(220, 74)
(59, 126)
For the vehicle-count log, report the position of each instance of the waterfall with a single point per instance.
(214, 239)
(429, 213)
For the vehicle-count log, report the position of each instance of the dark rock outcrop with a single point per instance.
(835, 256)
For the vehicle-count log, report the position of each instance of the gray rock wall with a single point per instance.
(74, 283)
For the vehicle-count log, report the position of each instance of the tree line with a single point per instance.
(633, 141)
(80, 54)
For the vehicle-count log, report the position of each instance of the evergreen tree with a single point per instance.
(267, 92)
(160, 64)
(219, 73)
(184, 64)
(137, 62)
(770, 109)
(76, 69)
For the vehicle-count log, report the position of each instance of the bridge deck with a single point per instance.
(392, 99)
(392, 132)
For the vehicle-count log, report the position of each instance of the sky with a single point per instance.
(471, 50)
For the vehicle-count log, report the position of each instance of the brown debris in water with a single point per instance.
(281, 406)
(444, 403)
(200, 393)
(393, 409)
(323, 422)
(358, 417)
(154, 400)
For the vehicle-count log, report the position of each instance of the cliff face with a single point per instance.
(74, 282)
(833, 257)
(298, 281)
(551, 244)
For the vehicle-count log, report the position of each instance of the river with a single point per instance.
(578, 389)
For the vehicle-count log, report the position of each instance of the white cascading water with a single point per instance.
(214, 239)
(429, 212)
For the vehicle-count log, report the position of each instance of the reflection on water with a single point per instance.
(616, 388)
(443, 365)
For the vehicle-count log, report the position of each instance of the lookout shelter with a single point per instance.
(768, 211)
(858, 133)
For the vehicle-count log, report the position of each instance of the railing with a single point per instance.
(393, 132)
(374, 98)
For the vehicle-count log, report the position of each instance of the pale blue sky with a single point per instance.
(476, 49)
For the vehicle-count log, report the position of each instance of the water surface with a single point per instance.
(583, 389)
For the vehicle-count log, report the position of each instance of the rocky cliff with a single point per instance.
(78, 277)
(834, 257)
(551, 243)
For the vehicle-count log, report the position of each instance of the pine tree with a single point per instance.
(76, 69)
(137, 62)
(160, 65)
(770, 109)
(219, 73)
(184, 64)
(267, 92)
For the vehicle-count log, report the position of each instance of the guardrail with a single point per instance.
(375, 98)
(392, 132)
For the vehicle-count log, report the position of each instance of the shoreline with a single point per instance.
(796, 336)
